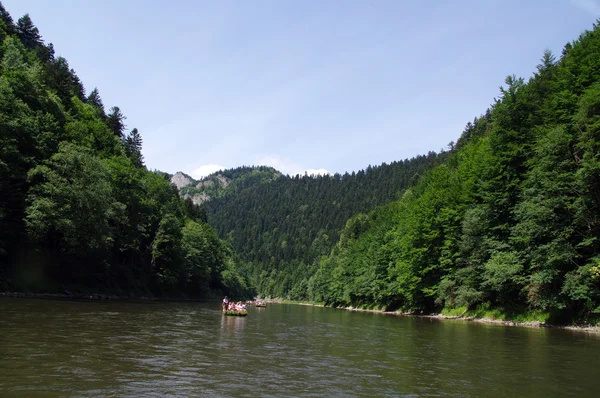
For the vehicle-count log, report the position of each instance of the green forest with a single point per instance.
(282, 228)
(79, 211)
(506, 221)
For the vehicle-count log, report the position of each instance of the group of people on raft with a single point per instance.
(231, 306)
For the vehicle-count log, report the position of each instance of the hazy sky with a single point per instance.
(301, 84)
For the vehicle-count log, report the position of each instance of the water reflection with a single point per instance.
(232, 324)
(54, 348)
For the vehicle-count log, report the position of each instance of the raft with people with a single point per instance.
(235, 309)
(236, 312)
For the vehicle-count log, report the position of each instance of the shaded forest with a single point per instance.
(79, 211)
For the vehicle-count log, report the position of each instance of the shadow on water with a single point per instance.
(64, 348)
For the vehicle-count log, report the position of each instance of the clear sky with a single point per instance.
(333, 85)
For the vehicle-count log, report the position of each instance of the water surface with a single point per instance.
(68, 348)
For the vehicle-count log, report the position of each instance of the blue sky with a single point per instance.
(332, 85)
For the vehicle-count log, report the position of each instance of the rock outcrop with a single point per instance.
(223, 181)
(180, 180)
(198, 198)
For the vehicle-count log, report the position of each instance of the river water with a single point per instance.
(59, 348)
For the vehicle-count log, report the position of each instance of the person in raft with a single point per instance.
(225, 303)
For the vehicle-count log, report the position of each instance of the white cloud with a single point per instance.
(590, 6)
(205, 170)
(288, 167)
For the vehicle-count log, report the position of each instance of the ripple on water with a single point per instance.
(191, 349)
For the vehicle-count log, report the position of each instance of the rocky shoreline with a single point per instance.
(534, 324)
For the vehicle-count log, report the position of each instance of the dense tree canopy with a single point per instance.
(78, 208)
(507, 219)
(282, 225)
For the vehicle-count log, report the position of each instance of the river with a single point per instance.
(60, 348)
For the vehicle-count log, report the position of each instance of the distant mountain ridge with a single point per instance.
(280, 225)
(180, 179)
(222, 182)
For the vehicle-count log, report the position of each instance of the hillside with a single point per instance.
(223, 182)
(508, 227)
(506, 224)
(282, 225)
(79, 211)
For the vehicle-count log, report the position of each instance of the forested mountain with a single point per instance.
(282, 225)
(223, 182)
(78, 208)
(507, 221)
(510, 222)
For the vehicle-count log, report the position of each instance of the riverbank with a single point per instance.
(486, 320)
(503, 322)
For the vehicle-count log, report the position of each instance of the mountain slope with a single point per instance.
(78, 208)
(223, 182)
(508, 227)
(281, 225)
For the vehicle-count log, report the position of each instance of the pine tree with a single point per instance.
(64, 80)
(28, 32)
(94, 99)
(133, 147)
(6, 21)
(46, 53)
(116, 121)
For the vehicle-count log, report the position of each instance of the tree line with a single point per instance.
(229, 181)
(78, 208)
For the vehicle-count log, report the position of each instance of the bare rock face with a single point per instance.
(198, 198)
(180, 180)
(223, 181)
(220, 179)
